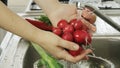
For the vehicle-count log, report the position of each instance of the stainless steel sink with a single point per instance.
(2, 34)
(105, 46)
(108, 48)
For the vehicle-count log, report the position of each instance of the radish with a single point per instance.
(78, 25)
(77, 52)
(72, 22)
(57, 31)
(67, 36)
(62, 23)
(68, 28)
(73, 31)
(82, 37)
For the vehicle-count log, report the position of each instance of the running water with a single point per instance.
(94, 62)
(82, 63)
(87, 63)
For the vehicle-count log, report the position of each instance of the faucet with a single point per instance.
(80, 3)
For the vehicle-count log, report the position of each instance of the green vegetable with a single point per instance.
(45, 19)
(46, 59)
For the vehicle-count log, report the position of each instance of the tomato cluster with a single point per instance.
(74, 31)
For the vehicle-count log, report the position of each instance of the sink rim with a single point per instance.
(94, 37)
(106, 37)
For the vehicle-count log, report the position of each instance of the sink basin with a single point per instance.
(108, 48)
(2, 34)
(105, 47)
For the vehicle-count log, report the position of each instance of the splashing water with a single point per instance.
(94, 62)
(88, 63)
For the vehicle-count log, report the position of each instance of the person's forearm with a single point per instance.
(48, 6)
(17, 25)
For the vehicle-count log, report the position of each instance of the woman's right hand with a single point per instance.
(56, 46)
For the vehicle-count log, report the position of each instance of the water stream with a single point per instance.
(93, 62)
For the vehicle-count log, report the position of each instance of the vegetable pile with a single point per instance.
(73, 31)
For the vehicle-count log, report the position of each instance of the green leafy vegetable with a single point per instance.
(45, 19)
(47, 60)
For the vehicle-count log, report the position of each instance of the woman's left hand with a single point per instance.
(68, 12)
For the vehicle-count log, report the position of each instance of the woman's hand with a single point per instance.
(68, 12)
(64, 11)
(88, 15)
(56, 46)
(49, 41)
(88, 18)
(53, 43)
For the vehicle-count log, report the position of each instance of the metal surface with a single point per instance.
(108, 48)
(13, 51)
(2, 35)
(97, 62)
(105, 47)
(104, 17)
(93, 62)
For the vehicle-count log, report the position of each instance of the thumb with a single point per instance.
(68, 45)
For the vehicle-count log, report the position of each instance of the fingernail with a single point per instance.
(76, 47)
(94, 28)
